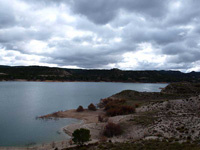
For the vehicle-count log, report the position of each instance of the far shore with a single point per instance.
(24, 80)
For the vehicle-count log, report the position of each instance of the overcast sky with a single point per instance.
(125, 34)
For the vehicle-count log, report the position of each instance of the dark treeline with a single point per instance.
(33, 73)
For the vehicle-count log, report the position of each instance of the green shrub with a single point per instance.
(80, 136)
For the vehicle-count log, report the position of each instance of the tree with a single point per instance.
(92, 107)
(80, 109)
(80, 136)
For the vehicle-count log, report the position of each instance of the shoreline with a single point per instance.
(88, 119)
(24, 80)
(85, 115)
(64, 129)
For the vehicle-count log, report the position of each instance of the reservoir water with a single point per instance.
(22, 102)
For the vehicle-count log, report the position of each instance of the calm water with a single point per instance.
(21, 102)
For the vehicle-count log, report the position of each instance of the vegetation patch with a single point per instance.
(146, 118)
(112, 129)
(106, 101)
(120, 110)
(92, 107)
(114, 107)
(182, 88)
(135, 97)
(80, 136)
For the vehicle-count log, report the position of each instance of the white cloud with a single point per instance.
(144, 55)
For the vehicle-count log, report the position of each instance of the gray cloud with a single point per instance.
(103, 11)
(7, 17)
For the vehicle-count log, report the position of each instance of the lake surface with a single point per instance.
(22, 102)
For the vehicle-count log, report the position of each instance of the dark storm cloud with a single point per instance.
(160, 36)
(91, 61)
(103, 11)
(7, 17)
(97, 33)
(22, 34)
(173, 49)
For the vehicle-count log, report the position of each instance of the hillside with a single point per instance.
(33, 73)
(182, 88)
(168, 120)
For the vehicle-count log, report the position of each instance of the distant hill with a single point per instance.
(33, 73)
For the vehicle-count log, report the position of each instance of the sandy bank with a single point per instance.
(87, 116)
(89, 121)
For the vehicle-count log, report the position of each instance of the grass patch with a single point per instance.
(115, 107)
(141, 97)
(145, 118)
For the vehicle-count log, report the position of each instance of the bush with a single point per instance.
(137, 105)
(127, 109)
(111, 105)
(105, 101)
(114, 112)
(114, 107)
(112, 129)
(80, 109)
(80, 136)
(120, 110)
(92, 107)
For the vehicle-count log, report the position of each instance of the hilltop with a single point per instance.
(38, 73)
